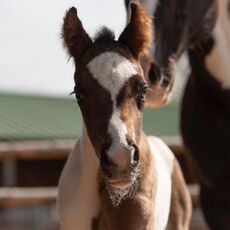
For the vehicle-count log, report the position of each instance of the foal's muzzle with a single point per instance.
(119, 164)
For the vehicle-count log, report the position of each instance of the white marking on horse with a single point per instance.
(118, 132)
(164, 161)
(218, 61)
(112, 71)
(78, 199)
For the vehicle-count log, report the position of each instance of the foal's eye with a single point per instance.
(78, 96)
(141, 95)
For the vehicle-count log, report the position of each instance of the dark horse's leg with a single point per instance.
(216, 208)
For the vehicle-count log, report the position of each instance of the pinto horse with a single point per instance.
(205, 119)
(116, 177)
(178, 26)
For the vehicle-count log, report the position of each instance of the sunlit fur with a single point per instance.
(142, 34)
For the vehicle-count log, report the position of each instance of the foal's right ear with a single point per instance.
(137, 35)
(76, 40)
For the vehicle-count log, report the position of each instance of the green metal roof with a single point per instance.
(27, 117)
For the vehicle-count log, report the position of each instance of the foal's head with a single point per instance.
(110, 89)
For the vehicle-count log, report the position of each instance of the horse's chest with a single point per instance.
(130, 215)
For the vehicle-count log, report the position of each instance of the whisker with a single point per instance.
(71, 93)
(118, 194)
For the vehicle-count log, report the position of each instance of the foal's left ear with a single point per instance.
(75, 38)
(137, 35)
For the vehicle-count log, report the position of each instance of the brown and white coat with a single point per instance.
(116, 177)
(202, 28)
(205, 119)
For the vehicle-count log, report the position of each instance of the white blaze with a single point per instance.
(112, 71)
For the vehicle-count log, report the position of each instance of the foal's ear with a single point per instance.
(76, 40)
(138, 33)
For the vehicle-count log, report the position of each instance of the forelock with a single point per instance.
(104, 35)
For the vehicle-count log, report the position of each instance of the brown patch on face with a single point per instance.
(131, 107)
(96, 107)
(138, 33)
(181, 206)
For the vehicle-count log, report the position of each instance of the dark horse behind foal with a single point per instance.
(178, 26)
(188, 25)
(205, 121)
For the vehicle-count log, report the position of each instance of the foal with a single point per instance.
(116, 177)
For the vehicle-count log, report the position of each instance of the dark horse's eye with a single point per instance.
(141, 95)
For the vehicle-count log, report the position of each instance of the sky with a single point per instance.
(32, 58)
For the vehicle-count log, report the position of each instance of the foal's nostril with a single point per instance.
(136, 155)
(166, 82)
(154, 74)
(104, 157)
(134, 151)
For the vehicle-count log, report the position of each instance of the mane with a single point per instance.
(104, 35)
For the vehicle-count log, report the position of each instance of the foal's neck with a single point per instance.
(131, 214)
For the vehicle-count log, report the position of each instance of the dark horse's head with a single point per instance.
(178, 26)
